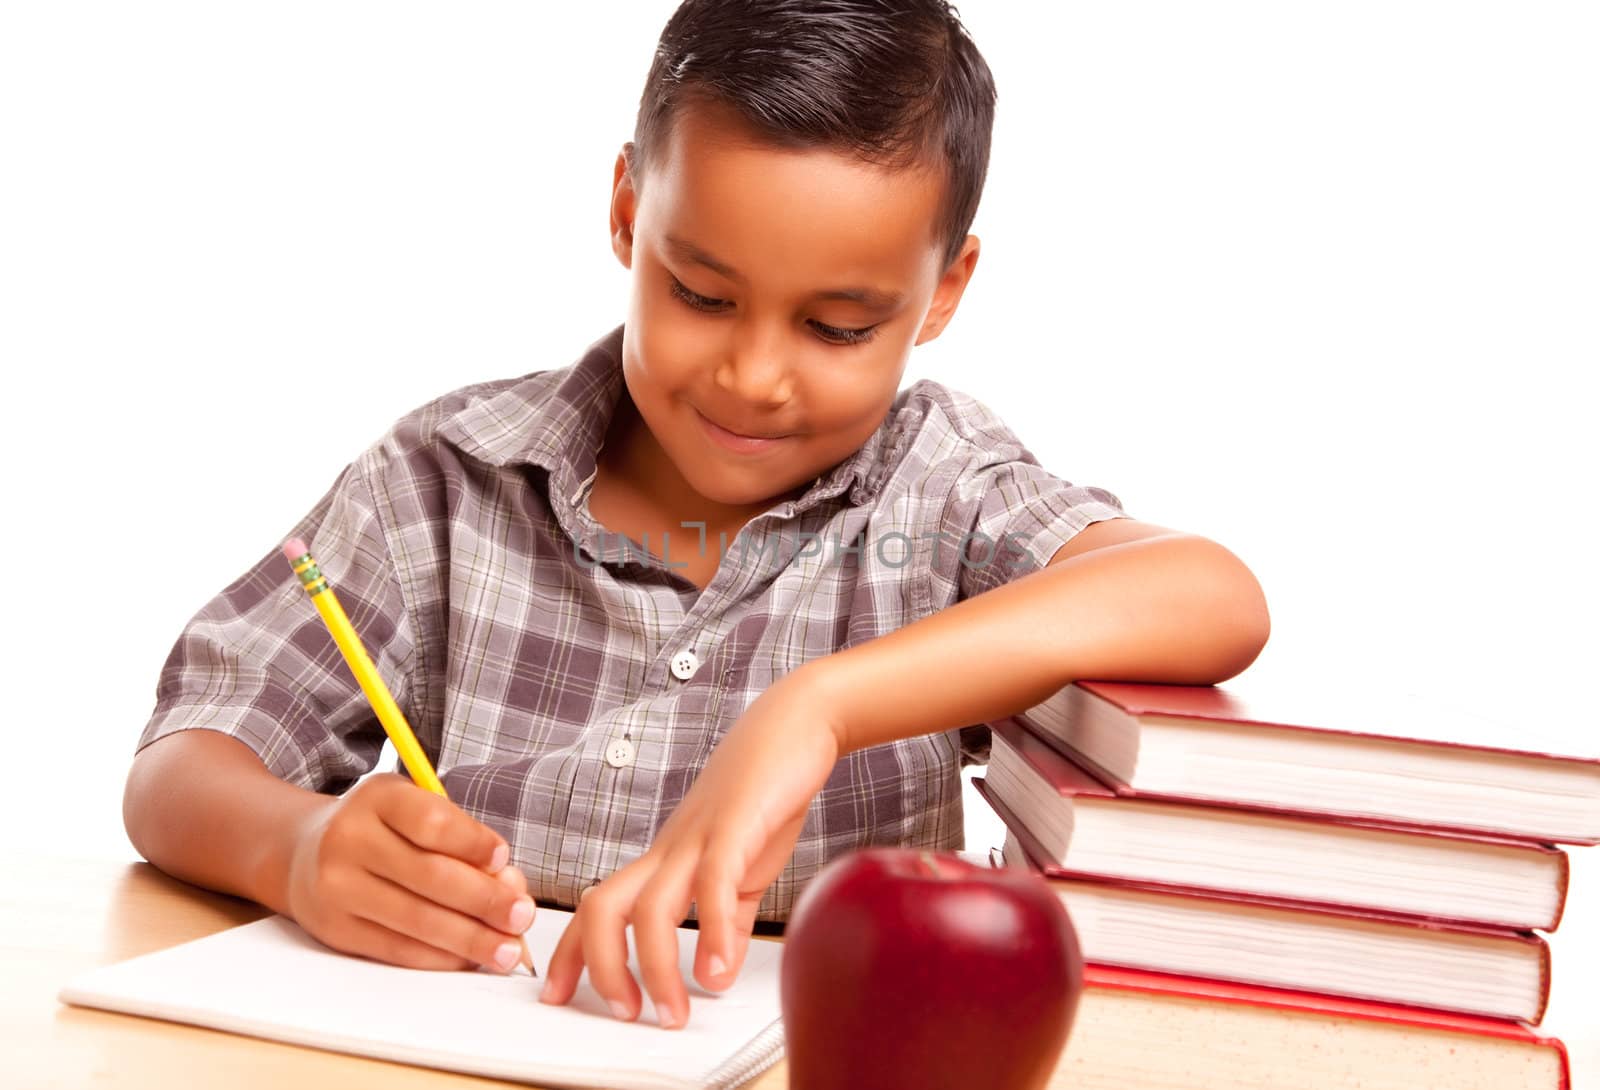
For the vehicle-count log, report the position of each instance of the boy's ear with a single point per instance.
(624, 204)
(948, 293)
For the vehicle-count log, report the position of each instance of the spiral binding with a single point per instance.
(762, 1051)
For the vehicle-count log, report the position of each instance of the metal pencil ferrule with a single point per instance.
(311, 576)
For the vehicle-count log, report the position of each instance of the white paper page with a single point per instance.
(270, 979)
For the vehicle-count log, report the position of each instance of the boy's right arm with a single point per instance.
(387, 871)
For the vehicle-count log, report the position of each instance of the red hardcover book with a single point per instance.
(1407, 961)
(1400, 760)
(1145, 1029)
(1084, 827)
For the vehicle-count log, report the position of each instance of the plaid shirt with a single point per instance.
(569, 688)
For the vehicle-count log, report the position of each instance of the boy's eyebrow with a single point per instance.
(685, 250)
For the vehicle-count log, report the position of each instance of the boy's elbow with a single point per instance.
(135, 803)
(1249, 645)
(153, 795)
(1231, 623)
(1246, 624)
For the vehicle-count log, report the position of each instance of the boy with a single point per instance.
(831, 579)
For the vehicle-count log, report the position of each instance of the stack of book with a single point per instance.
(1295, 897)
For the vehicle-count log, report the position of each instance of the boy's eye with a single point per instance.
(831, 334)
(695, 299)
(835, 335)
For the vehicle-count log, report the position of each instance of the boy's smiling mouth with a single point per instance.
(736, 441)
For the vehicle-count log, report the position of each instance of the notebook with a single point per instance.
(270, 979)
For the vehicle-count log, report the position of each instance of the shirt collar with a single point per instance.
(558, 420)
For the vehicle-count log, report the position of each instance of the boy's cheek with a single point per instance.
(663, 344)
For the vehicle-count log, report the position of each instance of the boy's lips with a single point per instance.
(736, 440)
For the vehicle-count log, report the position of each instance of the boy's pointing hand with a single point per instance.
(721, 848)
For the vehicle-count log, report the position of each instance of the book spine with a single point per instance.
(1041, 730)
(1544, 983)
(1561, 890)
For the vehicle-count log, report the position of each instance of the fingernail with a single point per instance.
(506, 955)
(667, 1019)
(717, 965)
(545, 994)
(619, 1010)
(522, 915)
(502, 856)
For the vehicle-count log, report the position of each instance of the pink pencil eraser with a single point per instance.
(294, 549)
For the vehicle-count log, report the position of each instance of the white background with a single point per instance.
(1316, 281)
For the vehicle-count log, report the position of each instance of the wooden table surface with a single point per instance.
(60, 917)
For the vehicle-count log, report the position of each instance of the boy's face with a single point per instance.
(776, 293)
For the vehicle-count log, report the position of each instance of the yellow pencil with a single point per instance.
(366, 674)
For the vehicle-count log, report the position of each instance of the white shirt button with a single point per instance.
(619, 753)
(684, 664)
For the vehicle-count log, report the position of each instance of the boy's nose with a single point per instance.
(755, 374)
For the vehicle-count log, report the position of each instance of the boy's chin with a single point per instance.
(730, 487)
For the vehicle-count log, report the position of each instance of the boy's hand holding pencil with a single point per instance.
(407, 877)
(392, 872)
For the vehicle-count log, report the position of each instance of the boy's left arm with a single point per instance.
(1121, 600)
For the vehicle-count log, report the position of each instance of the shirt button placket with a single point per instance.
(619, 753)
(684, 665)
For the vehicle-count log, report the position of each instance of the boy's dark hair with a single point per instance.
(896, 82)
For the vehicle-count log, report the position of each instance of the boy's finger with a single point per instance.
(397, 909)
(744, 923)
(597, 940)
(449, 882)
(717, 907)
(436, 824)
(514, 878)
(372, 940)
(663, 903)
(744, 926)
(603, 922)
(565, 966)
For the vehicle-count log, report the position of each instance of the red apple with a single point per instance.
(906, 968)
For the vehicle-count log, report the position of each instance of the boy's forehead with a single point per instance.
(797, 213)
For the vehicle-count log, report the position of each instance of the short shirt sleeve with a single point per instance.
(257, 662)
(1002, 516)
(1006, 519)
